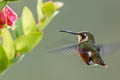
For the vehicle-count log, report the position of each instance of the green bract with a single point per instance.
(28, 32)
(8, 44)
(46, 12)
(27, 42)
(4, 2)
(48, 9)
(4, 62)
(28, 21)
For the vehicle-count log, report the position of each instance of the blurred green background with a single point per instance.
(100, 17)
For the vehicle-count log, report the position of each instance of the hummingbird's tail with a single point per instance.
(67, 31)
(105, 66)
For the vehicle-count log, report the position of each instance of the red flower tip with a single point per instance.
(1, 26)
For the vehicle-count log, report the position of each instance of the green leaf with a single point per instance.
(19, 30)
(27, 42)
(39, 11)
(2, 4)
(8, 44)
(3, 60)
(48, 9)
(28, 21)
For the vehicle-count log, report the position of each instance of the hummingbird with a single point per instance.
(87, 49)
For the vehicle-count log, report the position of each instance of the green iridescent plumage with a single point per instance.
(87, 49)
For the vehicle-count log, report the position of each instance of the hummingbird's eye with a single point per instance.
(83, 36)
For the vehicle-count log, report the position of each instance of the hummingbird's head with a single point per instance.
(82, 36)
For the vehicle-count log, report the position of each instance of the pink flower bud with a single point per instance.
(7, 16)
(11, 16)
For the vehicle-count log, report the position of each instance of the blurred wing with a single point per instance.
(70, 49)
(109, 48)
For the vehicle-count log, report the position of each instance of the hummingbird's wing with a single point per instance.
(109, 48)
(69, 49)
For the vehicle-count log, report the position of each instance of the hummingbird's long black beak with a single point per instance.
(74, 33)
